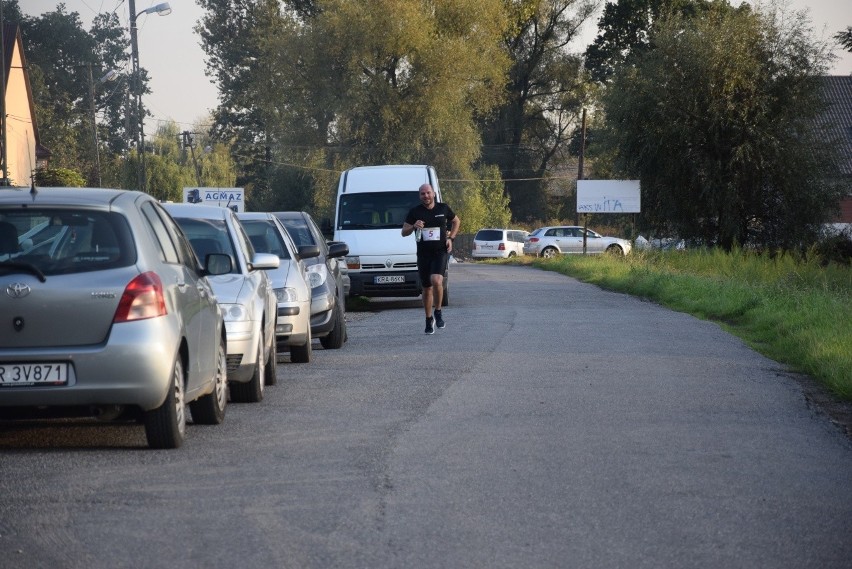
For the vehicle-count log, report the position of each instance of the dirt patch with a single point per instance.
(822, 400)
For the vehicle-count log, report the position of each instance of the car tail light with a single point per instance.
(533, 239)
(143, 298)
(501, 247)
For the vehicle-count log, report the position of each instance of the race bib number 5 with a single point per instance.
(431, 234)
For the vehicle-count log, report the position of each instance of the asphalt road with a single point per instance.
(551, 424)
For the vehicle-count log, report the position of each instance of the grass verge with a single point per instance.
(793, 311)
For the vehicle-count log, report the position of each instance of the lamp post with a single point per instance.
(109, 76)
(163, 10)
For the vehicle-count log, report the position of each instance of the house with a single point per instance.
(838, 95)
(24, 153)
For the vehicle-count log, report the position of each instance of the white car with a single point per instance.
(245, 295)
(568, 240)
(289, 280)
(498, 243)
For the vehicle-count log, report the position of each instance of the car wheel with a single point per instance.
(252, 391)
(335, 338)
(302, 354)
(512, 254)
(549, 252)
(210, 409)
(165, 426)
(615, 250)
(272, 365)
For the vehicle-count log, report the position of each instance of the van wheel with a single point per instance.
(302, 354)
(335, 338)
(165, 426)
(210, 409)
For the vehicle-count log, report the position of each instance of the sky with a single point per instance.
(171, 52)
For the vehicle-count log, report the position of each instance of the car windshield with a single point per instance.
(209, 236)
(265, 237)
(65, 240)
(297, 227)
(375, 210)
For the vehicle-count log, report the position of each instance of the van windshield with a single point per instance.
(375, 210)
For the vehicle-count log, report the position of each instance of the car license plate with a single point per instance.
(389, 279)
(33, 374)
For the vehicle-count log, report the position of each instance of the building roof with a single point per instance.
(838, 96)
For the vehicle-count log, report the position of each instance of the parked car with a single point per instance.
(568, 239)
(245, 295)
(328, 289)
(107, 313)
(498, 243)
(289, 280)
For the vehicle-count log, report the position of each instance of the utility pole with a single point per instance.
(137, 98)
(4, 181)
(189, 142)
(580, 170)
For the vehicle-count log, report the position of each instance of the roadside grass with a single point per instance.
(792, 310)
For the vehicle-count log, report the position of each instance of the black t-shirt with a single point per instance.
(433, 237)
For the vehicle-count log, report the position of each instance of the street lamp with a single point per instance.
(110, 75)
(162, 10)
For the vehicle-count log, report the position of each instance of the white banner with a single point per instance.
(608, 196)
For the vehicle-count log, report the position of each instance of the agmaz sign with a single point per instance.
(608, 196)
(233, 198)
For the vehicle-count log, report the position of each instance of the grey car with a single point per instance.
(289, 280)
(245, 294)
(107, 312)
(328, 291)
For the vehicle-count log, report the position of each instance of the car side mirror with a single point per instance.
(309, 251)
(217, 264)
(337, 249)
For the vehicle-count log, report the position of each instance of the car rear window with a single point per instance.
(489, 235)
(65, 240)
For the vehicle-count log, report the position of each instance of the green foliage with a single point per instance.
(59, 177)
(624, 31)
(792, 309)
(528, 134)
(844, 38)
(65, 64)
(717, 121)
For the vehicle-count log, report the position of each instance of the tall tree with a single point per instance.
(527, 137)
(719, 121)
(844, 38)
(624, 29)
(320, 87)
(65, 64)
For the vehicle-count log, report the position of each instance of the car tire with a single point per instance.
(550, 252)
(165, 426)
(335, 339)
(252, 391)
(210, 409)
(272, 365)
(302, 354)
(615, 250)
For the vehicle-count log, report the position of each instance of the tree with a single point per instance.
(719, 122)
(624, 29)
(844, 38)
(527, 137)
(65, 63)
(323, 91)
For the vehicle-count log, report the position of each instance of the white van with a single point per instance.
(372, 202)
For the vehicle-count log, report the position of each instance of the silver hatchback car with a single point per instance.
(106, 312)
(245, 294)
